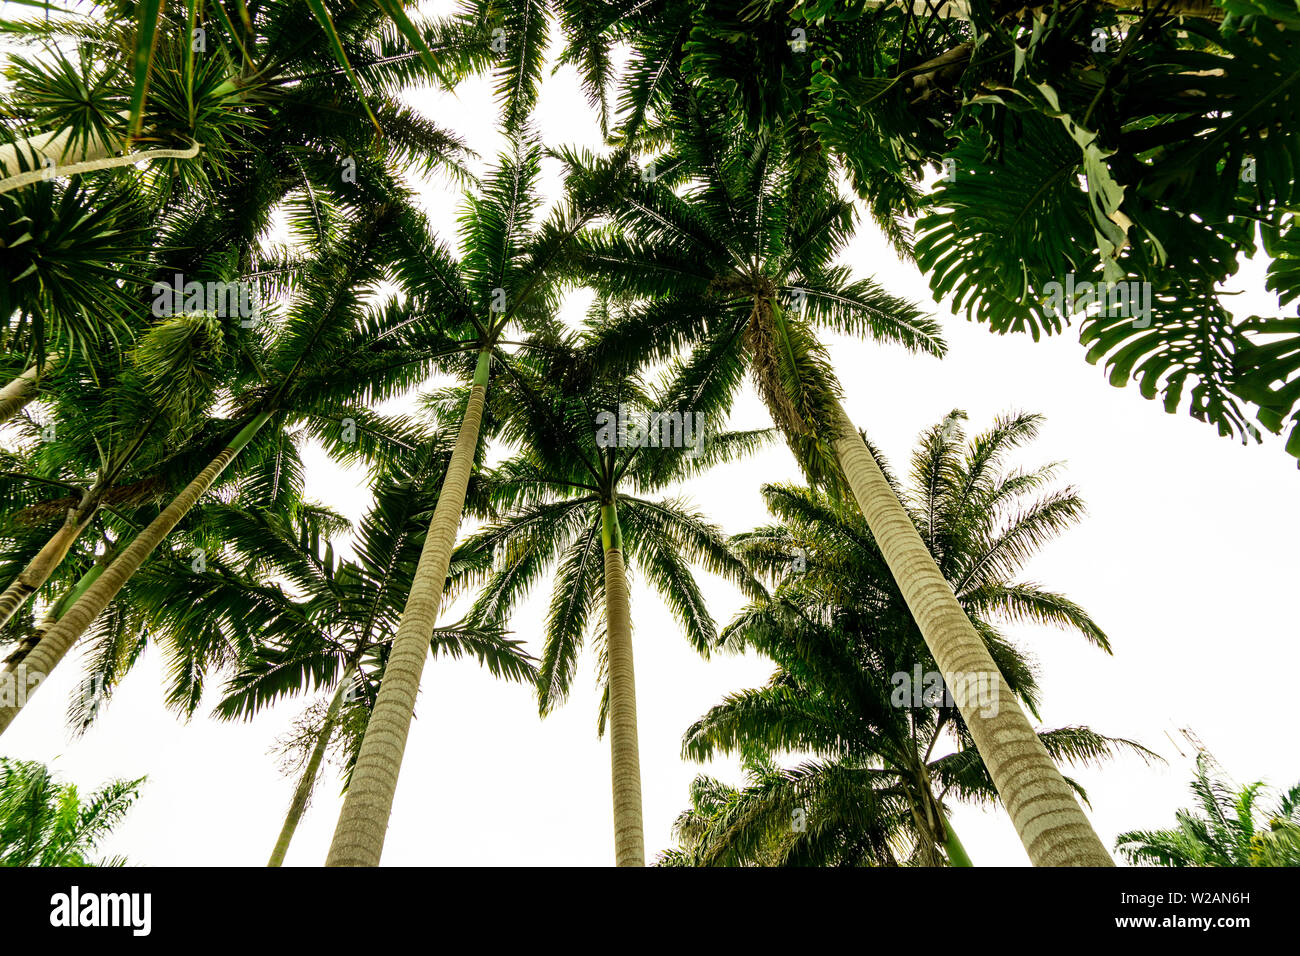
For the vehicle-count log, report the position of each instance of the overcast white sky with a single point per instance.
(1187, 558)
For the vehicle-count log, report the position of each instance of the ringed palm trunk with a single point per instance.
(66, 600)
(1041, 804)
(56, 643)
(363, 821)
(625, 757)
(308, 780)
(15, 395)
(42, 565)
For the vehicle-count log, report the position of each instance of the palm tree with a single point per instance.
(326, 354)
(67, 251)
(338, 633)
(214, 89)
(46, 823)
(890, 94)
(505, 278)
(272, 125)
(110, 430)
(728, 248)
(77, 272)
(855, 684)
(761, 823)
(577, 497)
(1225, 831)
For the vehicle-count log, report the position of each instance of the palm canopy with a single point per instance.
(251, 97)
(510, 270)
(274, 611)
(313, 368)
(231, 89)
(344, 613)
(570, 466)
(1224, 829)
(133, 426)
(506, 277)
(1088, 143)
(47, 823)
(124, 408)
(823, 71)
(728, 249)
(72, 252)
(856, 688)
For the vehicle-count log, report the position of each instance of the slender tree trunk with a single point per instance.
(1041, 804)
(59, 639)
(68, 598)
(40, 567)
(363, 822)
(15, 396)
(307, 782)
(957, 855)
(625, 757)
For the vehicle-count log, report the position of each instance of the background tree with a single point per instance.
(575, 497)
(46, 823)
(337, 635)
(319, 367)
(1224, 829)
(856, 688)
(1112, 142)
(507, 278)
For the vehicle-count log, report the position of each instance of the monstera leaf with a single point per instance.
(1008, 225)
(1153, 168)
(1269, 372)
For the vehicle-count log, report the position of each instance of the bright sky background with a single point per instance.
(1187, 559)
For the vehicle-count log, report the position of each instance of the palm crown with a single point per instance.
(728, 248)
(571, 466)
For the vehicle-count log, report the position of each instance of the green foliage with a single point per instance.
(727, 250)
(1224, 829)
(549, 501)
(71, 256)
(1109, 142)
(47, 823)
(309, 619)
(872, 788)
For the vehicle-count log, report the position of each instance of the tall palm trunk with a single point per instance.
(15, 395)
(363, 821)
(308, 780)
(65, 601)
(59, 639)
(42, 565)
(625, 757)
(1041, 804)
